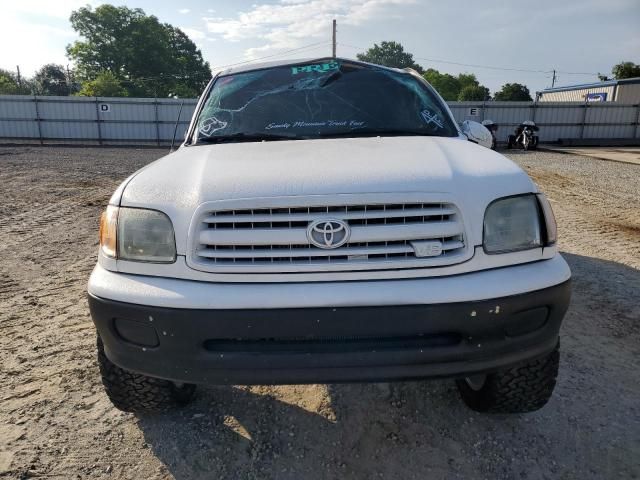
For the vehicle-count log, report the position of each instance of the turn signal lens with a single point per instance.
(549, 220)
(108, 231)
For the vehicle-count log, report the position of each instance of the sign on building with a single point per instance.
(596, 97)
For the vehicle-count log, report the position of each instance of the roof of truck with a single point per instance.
(248, 67)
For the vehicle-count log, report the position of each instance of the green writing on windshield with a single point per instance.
(318, 67)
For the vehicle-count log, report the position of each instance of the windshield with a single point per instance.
(332, 98)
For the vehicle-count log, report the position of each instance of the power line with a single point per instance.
(490, 67)
(578, 73)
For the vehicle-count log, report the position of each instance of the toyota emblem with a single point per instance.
(328, 233)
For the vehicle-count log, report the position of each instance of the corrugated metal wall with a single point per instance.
(152, 121)
(578, 95)
(621, 93)
(557, 120)
(628, 93)
(102, 120)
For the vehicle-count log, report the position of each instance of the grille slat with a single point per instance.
(309, 217)
(251, 252)
(275, 239)
(359, 233)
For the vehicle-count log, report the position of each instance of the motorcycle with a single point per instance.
(524, 136)
(493, 128)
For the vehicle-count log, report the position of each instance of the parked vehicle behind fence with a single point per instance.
(493, 128)
(524, 136)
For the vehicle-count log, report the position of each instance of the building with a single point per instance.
(622, 91)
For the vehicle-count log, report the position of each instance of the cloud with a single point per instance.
(39, 31)
(193, 33)
(184, 11)
(59, 9)
(291, 23)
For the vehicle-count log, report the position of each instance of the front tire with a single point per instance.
(526, 387)
(136, 393)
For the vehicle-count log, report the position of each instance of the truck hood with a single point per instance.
(179, 182)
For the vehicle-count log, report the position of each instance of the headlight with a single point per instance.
(512, 224)
(137, 235)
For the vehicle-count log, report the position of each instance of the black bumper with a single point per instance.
(319, 345)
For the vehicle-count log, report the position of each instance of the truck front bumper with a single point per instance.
(354, 339)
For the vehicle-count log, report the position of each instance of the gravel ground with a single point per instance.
(56, 422)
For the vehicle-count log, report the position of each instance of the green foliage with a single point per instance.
(513, 92)
(389, 54)
(451, 88)
(52, 79)
(106, 84)
(9, 84)
(148, 57)
(626, 70)
(445, 84)
(473, 93)
(467, 80)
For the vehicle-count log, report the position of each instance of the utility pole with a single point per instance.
(19, 77)
(334, 39)
(553, 80)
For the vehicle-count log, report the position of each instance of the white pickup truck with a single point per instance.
(328, 221)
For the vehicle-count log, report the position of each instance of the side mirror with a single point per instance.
(477, 133)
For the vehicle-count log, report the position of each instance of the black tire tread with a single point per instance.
(134, 392)
(523, 388)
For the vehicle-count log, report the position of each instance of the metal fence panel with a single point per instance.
(150, 120)
(66, 108)
(18, 117)
(18, 130)
(69, 130)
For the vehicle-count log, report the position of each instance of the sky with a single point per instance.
(524, 40)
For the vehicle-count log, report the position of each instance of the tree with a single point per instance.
(451, 88)
(9, 84)
(467, 80)
(51, 79)
(514, 92)
(106, 84)
(626, 70)
(445, 84)
(149, 58)
(473, 93)
(389, 54)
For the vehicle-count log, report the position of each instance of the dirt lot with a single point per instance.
(55, 421)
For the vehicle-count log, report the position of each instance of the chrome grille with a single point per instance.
(275, 239)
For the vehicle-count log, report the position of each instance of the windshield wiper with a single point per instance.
(374, 132)
(245, 137)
